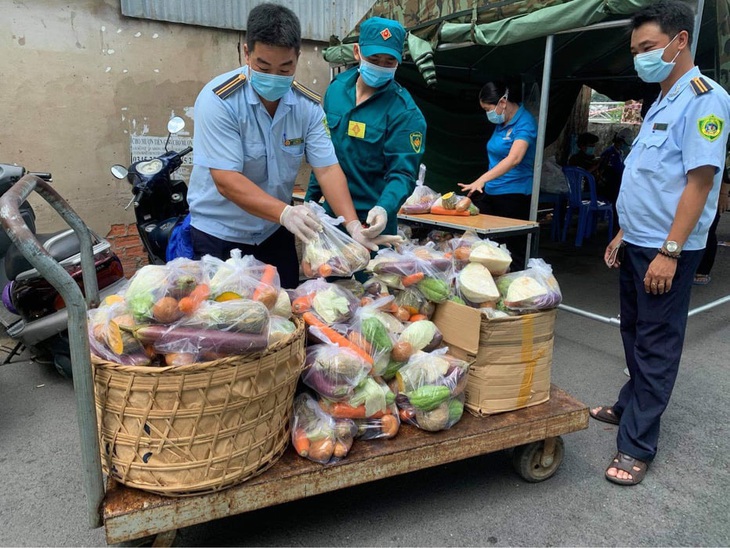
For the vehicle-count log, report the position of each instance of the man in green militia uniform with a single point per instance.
(377, 130)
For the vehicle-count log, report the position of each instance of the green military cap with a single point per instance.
(380, 35)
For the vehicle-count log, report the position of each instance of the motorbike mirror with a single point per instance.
(175, 125)
(120, 172)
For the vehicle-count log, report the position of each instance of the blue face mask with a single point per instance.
(650, 66)
(590, 150)
(492, 115)
(375, 76)
(271, 87)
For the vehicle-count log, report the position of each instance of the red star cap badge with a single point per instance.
(385, 33)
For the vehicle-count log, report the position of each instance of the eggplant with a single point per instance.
(206, 340)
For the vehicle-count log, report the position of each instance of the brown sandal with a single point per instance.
(637, 468)
(605, 414)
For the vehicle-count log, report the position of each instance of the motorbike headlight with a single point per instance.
(150, 167)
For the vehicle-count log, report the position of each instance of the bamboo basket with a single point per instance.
(198, 428)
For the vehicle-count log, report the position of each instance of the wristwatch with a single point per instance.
(671, 249)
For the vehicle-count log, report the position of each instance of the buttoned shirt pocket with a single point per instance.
(254, 161)
(651, 150)
(291, 160)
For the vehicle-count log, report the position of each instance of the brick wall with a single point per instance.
(125, 242)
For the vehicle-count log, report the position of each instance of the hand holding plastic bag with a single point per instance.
(331, 252)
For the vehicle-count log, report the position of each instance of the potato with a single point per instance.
(165, 310)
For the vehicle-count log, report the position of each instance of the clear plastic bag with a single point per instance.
(332, 252)
(316, 435)
(242, 277)
(421, 267)
(110, 336)
(331, 303)
(334, 371)
(372, 329)
(372, 407)
(431, 390)
(422, 198)
(155, 291)
(530, 290)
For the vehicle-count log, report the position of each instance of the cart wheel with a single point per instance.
(539, 460)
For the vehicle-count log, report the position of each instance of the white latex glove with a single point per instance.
(357, 232)
(300, 221)
(377, 219)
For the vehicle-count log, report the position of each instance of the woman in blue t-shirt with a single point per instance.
(506, 188)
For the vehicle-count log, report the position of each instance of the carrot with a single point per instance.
(312, 320)
(302, 304)
(342, 410)
(191, 303)
(358, 340)
(265, 283)
(325, 270)
(418, 318)
(412, 279)
(365, 301)
(301, 441)
(436, 210)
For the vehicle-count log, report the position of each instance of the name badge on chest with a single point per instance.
(660, 127)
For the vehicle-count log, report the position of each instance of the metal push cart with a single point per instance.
(129, 514)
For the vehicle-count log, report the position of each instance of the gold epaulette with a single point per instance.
(308, 93)
(230, 85)
(700, 86)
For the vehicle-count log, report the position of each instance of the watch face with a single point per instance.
(672, 247)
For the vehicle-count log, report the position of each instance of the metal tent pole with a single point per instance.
(541, 130)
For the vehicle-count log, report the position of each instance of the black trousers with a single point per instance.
(278, 250)
(514, 206)
(652, 330)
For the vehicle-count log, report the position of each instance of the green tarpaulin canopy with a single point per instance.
(455, 46)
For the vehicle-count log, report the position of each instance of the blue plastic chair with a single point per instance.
(588, 210)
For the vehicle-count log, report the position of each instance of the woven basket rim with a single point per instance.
(101, 363)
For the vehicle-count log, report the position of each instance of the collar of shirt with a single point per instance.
(679, 86)
(516, 118)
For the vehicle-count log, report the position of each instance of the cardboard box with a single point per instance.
(512, 356)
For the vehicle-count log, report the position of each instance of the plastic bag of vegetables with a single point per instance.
(530, 290)
(217, 330)
(332, 252)
(160, 293)
(422, 267)
(108, 338)
(334, 371)
(431, 390)
(475, 285)
(372, 330)
(318, 436)
(279, 329)
(470, 248)
(372, 408)
(420, 200)
(242, 277)
(330, 303)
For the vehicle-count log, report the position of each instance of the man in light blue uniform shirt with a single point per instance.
(253, 127)
(667, 202)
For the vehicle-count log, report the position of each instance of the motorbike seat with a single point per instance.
(60, 245)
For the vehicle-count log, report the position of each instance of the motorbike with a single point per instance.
(34, 313)
(160, 202)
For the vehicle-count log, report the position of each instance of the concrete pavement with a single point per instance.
(684, 499)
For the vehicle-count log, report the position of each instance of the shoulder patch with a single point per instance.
(308, 93)
(700, 86)
(710, 127)
(230, 85)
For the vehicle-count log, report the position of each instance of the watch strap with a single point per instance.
(667, 254)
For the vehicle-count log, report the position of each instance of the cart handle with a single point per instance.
(26, 242)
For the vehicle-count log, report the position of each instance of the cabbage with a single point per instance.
(419, 334)
(370, 393)
(477, 284)
(494, 257)
(524, 289)
(283, 305)
(144, 288)
(331, 305)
